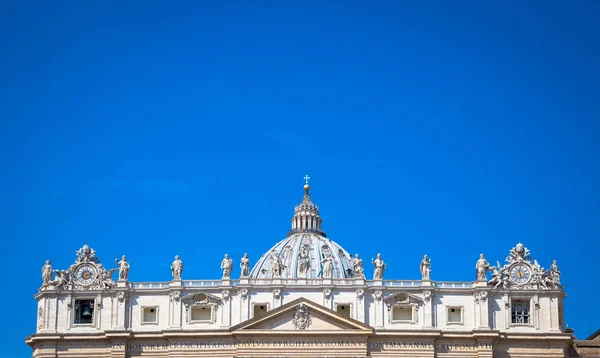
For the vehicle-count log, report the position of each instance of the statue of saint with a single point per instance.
(482, 268)
(177, 268)
(303, 260)
(226, 266)
(276, 264)
(379, 268)
(327, 263)
(245, 265)
(425, 268)
(123, 268)
(47, 273)
(554, 272)
(357, 266)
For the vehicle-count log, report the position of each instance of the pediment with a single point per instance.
(302, 315)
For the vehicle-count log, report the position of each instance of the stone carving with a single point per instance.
(520, 272)
(518, 253)
(327, 262)
(304, 259)
(276, 293)
(302, 318)
(46, 273)
(360, 293)
(86, 273)
(554, 273)
(62, 279)
(225, 295)
(482, 268)
(327, 293)
(276, 264)
(175, 296)
(425, 268)
(379, 268)
(357, 266)
(123, 296)
(427, 296)
(177, 268)
(86, 254)
(40, 318)
(499, 279)
(123, 268)
(106, 280)
(226, 266)
(245, 265)
(243, 292)
(480, 296)
(378, 295)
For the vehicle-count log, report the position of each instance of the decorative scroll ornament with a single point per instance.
(243, 292)
(360, 293)
(302, 318)
(276, 293)
(480, 296)
(378, 295)
(521, 273)
(327, 293)
(225, 295)
(123, 296)
(175, 296)
(427, 296)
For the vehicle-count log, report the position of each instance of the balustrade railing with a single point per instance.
(300, 282)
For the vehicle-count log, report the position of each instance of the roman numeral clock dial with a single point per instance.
(520, 274)
(86, 274)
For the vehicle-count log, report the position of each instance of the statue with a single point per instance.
(226, 266)
(276, 264)
(482, 268)
(357, 266)
(46, 273)
(63, 279)
(379, 268)
(425, 268)
(245, 265)
(177, 268)
(498, 277)
(123, 268)
(327, 263)
(304, 259)
(106, 280)
(555, 273)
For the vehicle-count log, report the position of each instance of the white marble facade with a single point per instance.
(305, 285)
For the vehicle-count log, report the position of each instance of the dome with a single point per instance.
(300, 254)
(299, 248)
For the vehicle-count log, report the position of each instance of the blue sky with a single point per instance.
(442, 128)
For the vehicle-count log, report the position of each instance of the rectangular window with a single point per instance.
(201, 314)
(150, 315)
(402, 313)
(343, 309)
(520, 312)
(84, 311)
(455, 315)
(260, 309)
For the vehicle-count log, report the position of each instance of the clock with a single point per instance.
(86, 274)
(520, 274)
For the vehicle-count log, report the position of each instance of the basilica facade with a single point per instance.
(305, 297)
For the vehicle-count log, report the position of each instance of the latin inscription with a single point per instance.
(142, 347)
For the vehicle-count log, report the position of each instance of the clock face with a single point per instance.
(86, 274)
(520, 274)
